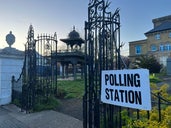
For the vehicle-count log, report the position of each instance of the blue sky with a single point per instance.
(49, 16)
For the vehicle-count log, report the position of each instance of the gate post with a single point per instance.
(12, 81)
(159, 105)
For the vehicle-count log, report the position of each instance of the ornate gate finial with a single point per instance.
(30, 38)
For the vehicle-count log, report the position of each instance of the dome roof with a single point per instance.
(73, 34)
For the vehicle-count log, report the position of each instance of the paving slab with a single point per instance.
(12, 117)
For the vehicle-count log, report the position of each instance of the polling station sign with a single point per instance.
(128, 88)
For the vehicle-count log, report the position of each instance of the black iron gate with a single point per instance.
(39, 73)
(102, 35)
(102, 52)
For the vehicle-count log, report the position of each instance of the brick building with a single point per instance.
(157, 43)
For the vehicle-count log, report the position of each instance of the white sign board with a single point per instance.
(127, 88)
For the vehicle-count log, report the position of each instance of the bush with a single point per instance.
(16, 102)
(148, 62)
(153, 121)
(154, 79)
(47, 104)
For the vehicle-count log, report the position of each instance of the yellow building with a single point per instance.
(157, 43)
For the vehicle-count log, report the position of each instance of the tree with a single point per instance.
(148, 62)
(125, 62)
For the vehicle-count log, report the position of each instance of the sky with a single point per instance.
(50, 16)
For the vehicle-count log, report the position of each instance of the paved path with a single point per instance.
(12, 117)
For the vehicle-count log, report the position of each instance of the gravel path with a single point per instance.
(72, 107)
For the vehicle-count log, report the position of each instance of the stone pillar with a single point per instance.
(63, 70)
(60, 70)
(67, 70)
(67, 48)
(74, 63)
(71, 48)
(10, 65)
(82, 71)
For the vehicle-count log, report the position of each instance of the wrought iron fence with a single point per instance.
(39, 74)
(16, 89)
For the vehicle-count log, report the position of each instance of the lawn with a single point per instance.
(70, 89)
(75, 88)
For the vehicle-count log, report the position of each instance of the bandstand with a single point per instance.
(71, 60)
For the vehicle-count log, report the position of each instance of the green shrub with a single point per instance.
(16, 102)
(47, 104)
(154, 79)
(153, 122)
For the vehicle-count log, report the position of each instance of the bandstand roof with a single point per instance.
(70, 41)
(73, 38)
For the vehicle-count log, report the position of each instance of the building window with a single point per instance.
(138, 49)
(167, 47)
(169, 34)
(161, 47)
(157, 36)
(153, 48)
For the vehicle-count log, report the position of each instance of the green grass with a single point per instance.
(75, 88)
(71, 89)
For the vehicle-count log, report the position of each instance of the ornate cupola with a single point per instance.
(73, 40)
